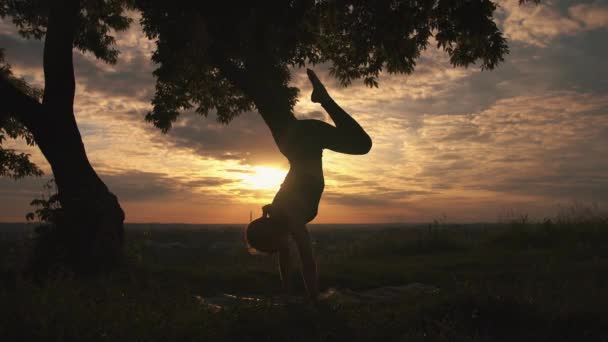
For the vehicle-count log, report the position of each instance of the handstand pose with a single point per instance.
(297, 202)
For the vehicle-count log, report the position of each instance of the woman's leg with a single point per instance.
(348, 136)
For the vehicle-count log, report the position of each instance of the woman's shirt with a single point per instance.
(303, 148)
(302, 188)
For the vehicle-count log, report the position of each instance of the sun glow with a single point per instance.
(264, 178)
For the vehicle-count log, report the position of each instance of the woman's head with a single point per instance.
(266, 235)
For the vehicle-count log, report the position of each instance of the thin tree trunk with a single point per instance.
(270, 96)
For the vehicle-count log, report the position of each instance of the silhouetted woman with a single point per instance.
(297, 202)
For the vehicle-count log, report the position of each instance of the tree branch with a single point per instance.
(18, 104)
(273, 109)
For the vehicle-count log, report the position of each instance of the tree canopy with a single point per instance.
(221, 55)
(97, 20)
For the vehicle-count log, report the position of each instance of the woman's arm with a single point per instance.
(284, 269)
(348, 136)
(309, 266)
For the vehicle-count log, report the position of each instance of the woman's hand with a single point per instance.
(319, 93)
(267, 210)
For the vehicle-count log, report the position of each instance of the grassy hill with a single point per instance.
(508, 282)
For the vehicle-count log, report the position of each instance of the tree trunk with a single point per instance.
(90, 229)
(92, 216)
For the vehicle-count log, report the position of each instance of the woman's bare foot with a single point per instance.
(319, 93)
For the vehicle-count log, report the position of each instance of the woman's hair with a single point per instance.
(264, 235)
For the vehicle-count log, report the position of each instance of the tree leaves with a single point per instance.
(17, 165)
(12, 163)
(47, 208)
(359, 39)
(97, 22)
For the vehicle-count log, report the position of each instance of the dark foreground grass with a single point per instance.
(501, 283)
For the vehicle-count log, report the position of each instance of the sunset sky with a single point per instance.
(459, 143)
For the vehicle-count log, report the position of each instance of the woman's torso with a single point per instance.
(303, 148)
(302, 188)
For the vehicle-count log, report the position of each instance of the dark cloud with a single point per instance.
(580, 62)
(442, 186)
(130, 78)
(569, 63)
(27, 188)
(246, 139)
(209, 182)
(245, 171)
(371, 199)
(447, 169)
(340, 177)
(512, 159)
(136, 185)
(448, 156)
(314, 115)
(557, 187)
(464, 134)
(21, 52)
(129, 186)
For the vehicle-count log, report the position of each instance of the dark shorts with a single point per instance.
(299, 198)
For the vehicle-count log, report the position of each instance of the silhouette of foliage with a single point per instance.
(97, 21)
(56, 243)
(51, 241)
(13, 164)
(47, 208)
(214, 55)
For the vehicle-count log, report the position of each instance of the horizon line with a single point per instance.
(314, 223)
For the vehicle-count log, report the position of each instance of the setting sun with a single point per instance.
(264, 178)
